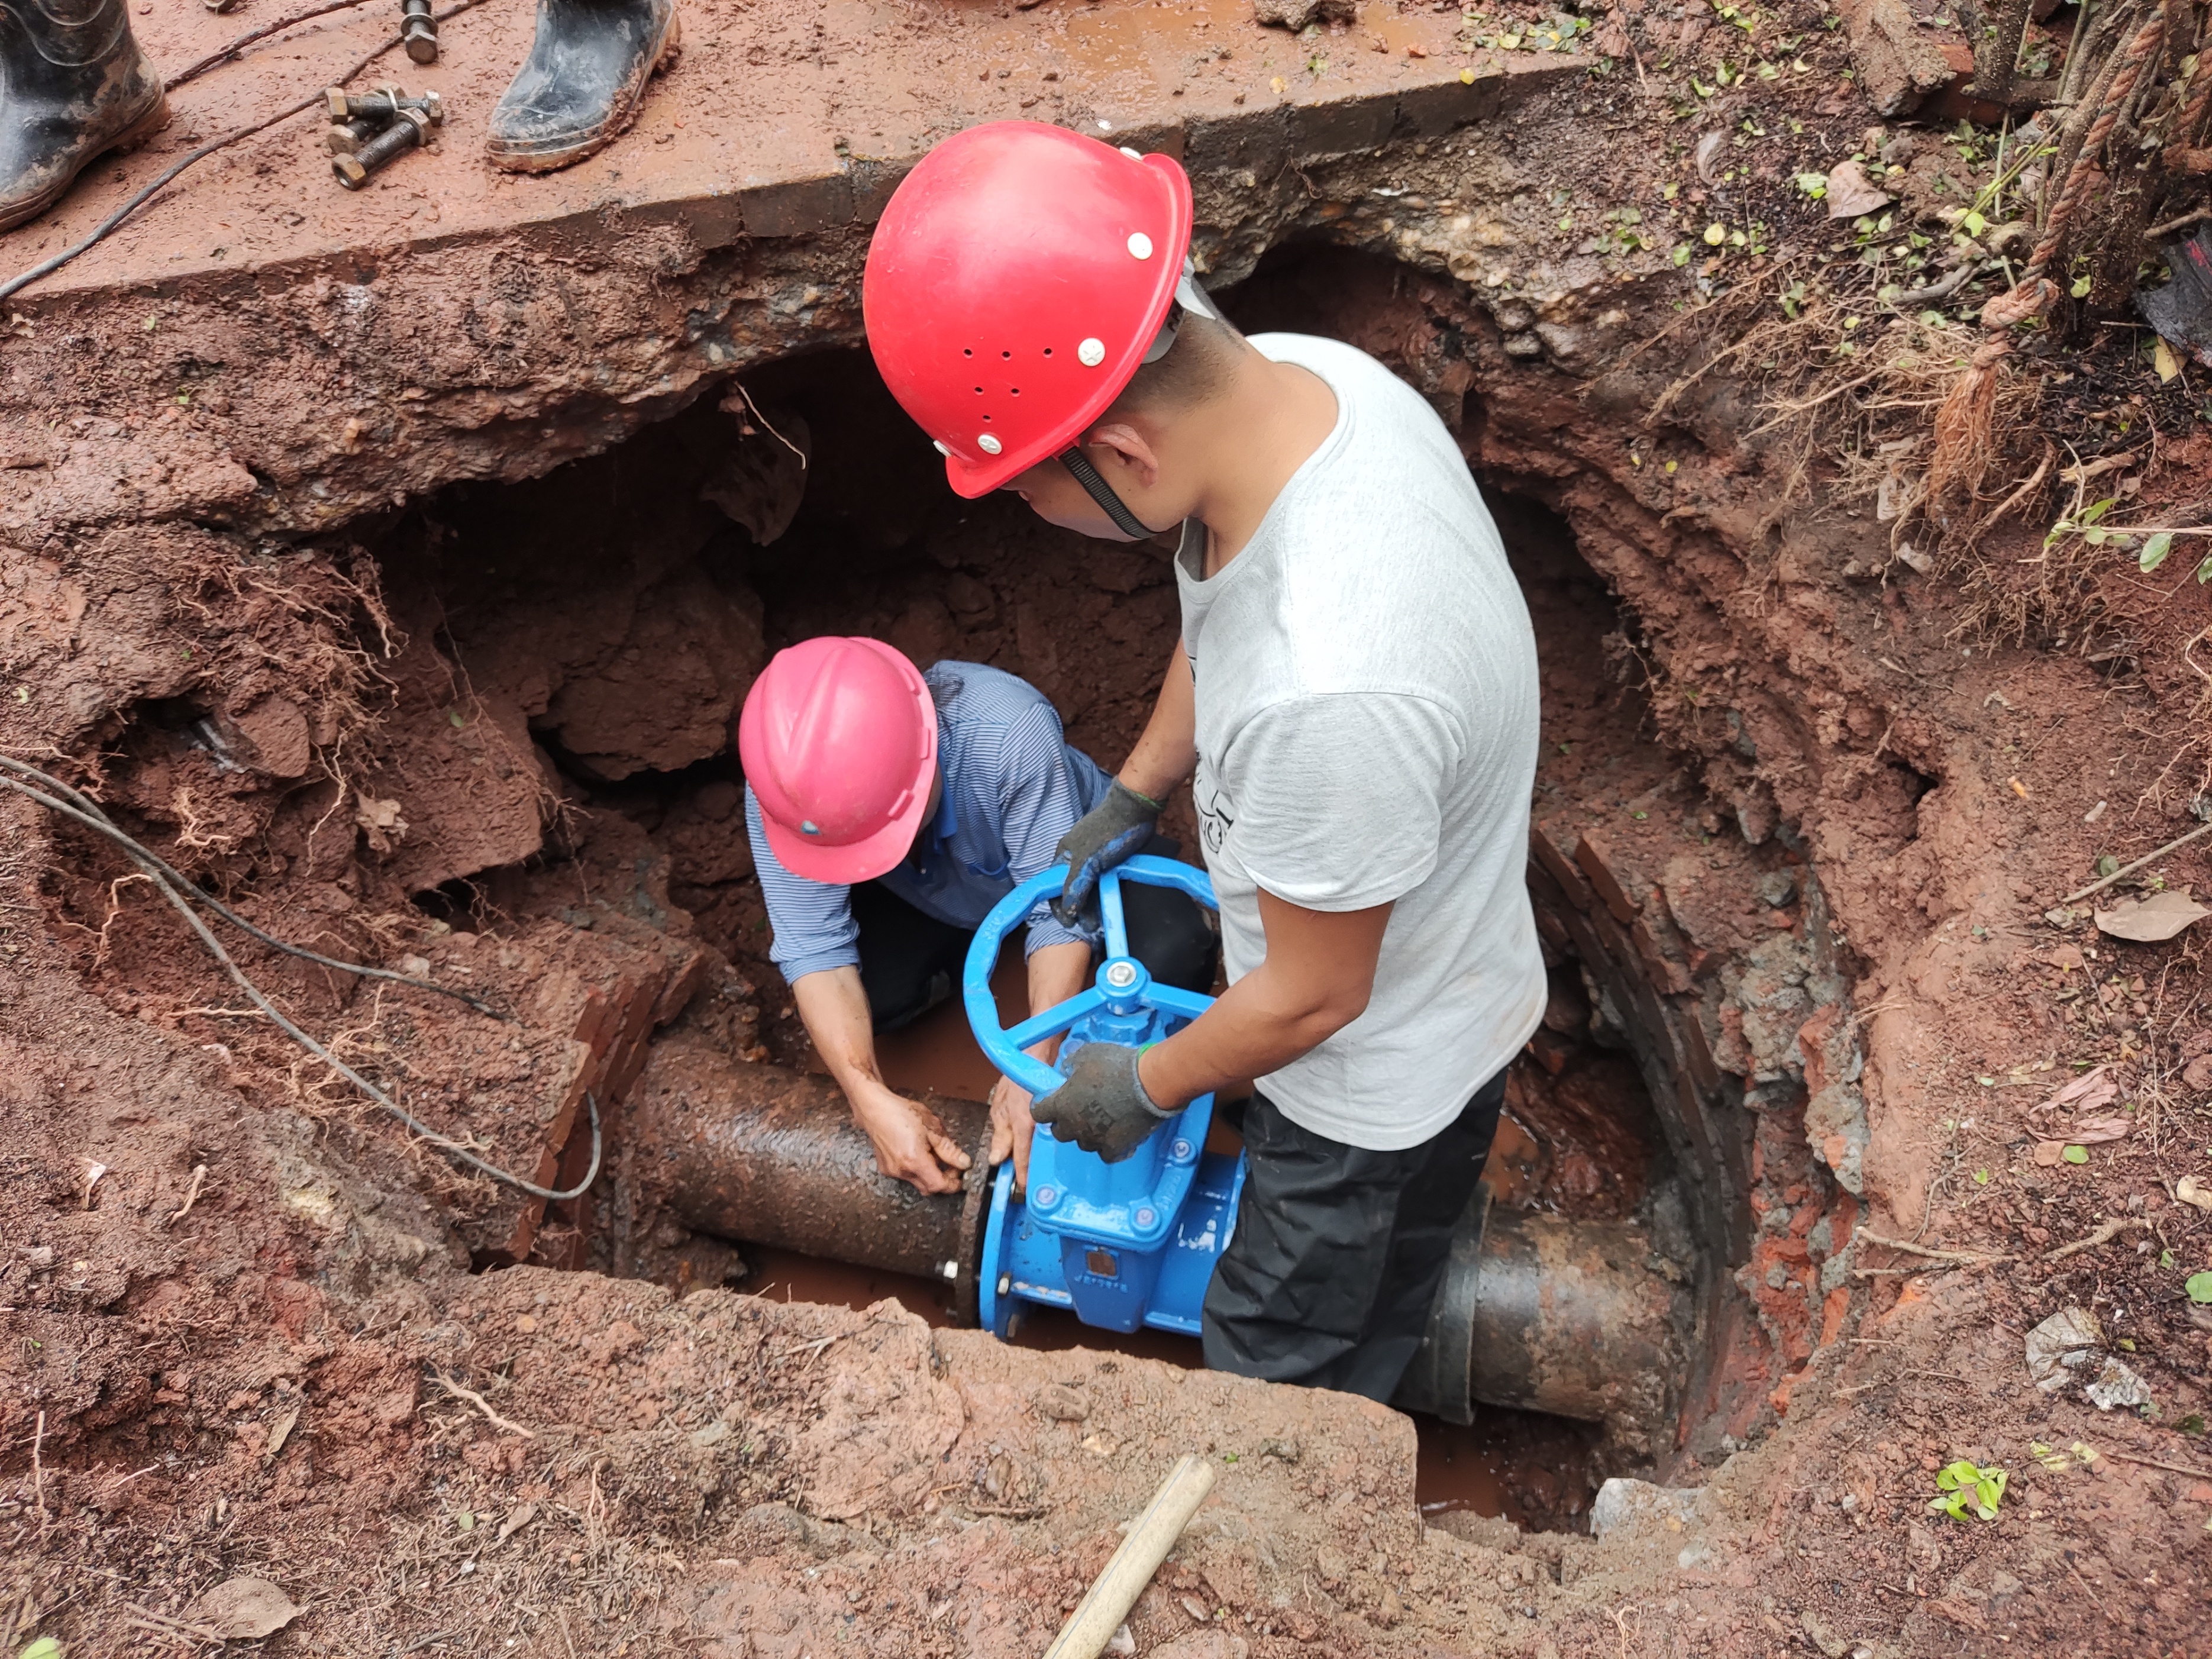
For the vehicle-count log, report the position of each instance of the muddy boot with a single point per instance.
(580, 87)
(72, 84)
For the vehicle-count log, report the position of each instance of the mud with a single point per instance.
(444, 678)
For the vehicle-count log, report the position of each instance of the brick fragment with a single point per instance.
(1597, 861)
(1548, 852)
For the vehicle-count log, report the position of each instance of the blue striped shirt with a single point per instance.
(1012, 788)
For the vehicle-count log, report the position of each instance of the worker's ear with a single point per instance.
(1131, 454)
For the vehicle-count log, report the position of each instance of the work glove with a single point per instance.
(1101, 1107)
(1100, 839)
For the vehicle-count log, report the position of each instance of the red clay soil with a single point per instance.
(1844, 800)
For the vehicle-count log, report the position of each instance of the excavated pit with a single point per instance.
(551, 789)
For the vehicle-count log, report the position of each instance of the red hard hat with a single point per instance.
(839, 742)
(1014, 285)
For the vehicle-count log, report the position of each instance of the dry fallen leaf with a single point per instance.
(280, 1431)
(2087, 1092)
(1850, 193)
(2190, 1190)
(2047, 1153)
(2148, 920)
(243, 1609)
(517, 1518)
(2092, 1130)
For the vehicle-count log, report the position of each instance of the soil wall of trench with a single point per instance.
(275, 585)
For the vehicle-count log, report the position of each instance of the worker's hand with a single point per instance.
(911, 1144)
(1102, 1107)
(1011, 1125)
(1101, 839)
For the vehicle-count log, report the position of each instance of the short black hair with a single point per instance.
(1195, 367)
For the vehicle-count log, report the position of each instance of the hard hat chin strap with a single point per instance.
(1100, 491)
(1189, 297)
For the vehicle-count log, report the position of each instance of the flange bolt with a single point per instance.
(412, 128)
(418, 29)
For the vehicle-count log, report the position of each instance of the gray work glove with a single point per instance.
(1101, 839)
(1101, 1107)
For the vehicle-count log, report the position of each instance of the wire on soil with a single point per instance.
(83, 810)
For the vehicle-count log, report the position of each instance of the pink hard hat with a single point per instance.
(838, 739)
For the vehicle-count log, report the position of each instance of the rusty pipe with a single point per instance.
(1582, 1319)
(769, 1156)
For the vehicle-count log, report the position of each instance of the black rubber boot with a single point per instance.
(73, 83)
(581, 85)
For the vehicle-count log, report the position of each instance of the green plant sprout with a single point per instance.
(1963, 1484)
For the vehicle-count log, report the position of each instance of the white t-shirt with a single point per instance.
(1366, 688)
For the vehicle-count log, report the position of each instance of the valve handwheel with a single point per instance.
(1123, 1245)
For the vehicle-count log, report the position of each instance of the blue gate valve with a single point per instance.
(1123, 1245)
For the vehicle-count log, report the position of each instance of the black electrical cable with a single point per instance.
(86, 811)
(16, 283)
(159, 873)
(225, 54)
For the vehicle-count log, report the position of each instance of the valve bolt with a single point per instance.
(1147, 1215)
(1180, 1151)
(1047, 1197)
(1122, 975)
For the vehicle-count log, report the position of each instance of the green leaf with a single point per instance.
(2199, 1286)
(1815, 185)
(1974, 224)
(1981, 1177)
(2165, 1258)
(2098, 509)
(44, 1648)
(2079, 288)
(2075, 1154)
(1682, 254)
(2155, 551)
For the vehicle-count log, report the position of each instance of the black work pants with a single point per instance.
(1338, 1252)
(911, 961)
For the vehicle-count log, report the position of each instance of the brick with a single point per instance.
(1672, 976)
(1698, 1048)
(1258, 142)
(798, 207)
(1589, 947)
(1432, 112)
(683, 985)
(1339, 126)
(873, 181)
(713, 221)
(1597, 861)
(1560, 867)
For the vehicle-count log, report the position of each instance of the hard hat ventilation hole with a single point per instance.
(1008, 355)
(1017, 391)
(967, 351)
(1048, 351)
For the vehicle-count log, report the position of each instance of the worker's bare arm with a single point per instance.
(1316, 980)
(1167, 753)
(1057, 972)
(910, 1142)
